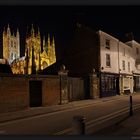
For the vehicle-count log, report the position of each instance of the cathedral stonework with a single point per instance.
(35, 59)
(11, 45)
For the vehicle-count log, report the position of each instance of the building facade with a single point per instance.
(35, 59)
(135, 56)
(104, 58)
(126, 68)
(109, 72)
(11, 45)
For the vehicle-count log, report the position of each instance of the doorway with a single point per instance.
(35, 90)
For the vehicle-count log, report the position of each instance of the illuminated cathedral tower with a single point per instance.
(11, 45)
(48, 56)
(35, 59)
(32, 52)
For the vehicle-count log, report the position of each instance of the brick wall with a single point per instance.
(13, 93)
(51, 91)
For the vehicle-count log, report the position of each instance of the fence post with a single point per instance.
(63, 76)
(131, 107)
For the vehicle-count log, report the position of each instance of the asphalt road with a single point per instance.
(50, 123)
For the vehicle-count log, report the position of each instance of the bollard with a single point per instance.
(131, 107)
(79, 125)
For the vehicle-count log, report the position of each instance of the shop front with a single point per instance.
(126, 84)
(136, 83)
(109, 84)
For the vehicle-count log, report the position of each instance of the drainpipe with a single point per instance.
(99, 61)
(119, 66)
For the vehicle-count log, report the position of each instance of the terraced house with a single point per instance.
(116, 64)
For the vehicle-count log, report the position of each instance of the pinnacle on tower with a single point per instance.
(53, 42)
(32, 31)
(8, 26)
(48, 40)
(17, 32)
(44, 42)
(38, 31)
(8, 30)
(4, 31)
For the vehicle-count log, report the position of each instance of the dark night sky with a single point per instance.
(61, 21)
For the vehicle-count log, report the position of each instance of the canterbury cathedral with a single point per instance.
(35, 58)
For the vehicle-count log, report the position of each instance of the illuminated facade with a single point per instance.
(11, 45)
(34, 59)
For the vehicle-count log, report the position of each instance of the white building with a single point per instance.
(126, 66)
(119, 65)
(135, 56)
(109, 64)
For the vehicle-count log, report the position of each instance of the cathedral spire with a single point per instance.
(4, 31)
(38, 31)
(17, 34)
(32, 31)
(8, 30)
(38, 34)
(48, 40)
(53, 42)
(44, 43)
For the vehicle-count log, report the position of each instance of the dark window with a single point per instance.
(11, 43)
(14, 44)
(123, 51)
(108, 60)
(107, 43)
(123, 65)
(128, 66)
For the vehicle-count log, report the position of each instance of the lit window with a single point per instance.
(123, 65)
(107, 43)
(108, 60)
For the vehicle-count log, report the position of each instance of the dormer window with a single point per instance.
(107, 43)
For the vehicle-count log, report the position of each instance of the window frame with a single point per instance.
(108, 60)
(107, 44)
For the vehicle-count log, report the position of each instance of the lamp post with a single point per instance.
(63, 84)
(131, 107)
